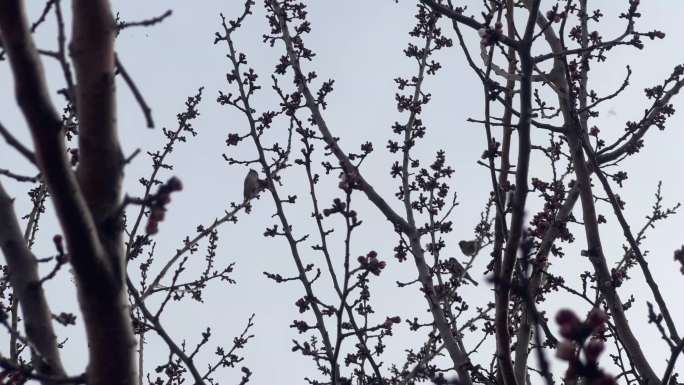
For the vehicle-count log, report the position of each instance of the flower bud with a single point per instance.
(157, 214)
(174, 184)
(596, 318)
(568, 323)
(164, 198)
(152, 227)
(593, 350)
(565, 350)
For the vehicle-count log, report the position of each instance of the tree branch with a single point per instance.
(23, 273)
(595, 248)
(12, 141)
(469, 21)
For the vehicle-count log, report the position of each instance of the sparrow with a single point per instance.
(252, 185)
(455, 268)
(469, 248)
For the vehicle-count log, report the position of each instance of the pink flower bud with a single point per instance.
(565, 350)
(164, 198)
(566, 316)
(174, 184)
(594, 349)
(568, 322)
(157, 213)
(596, 317)
(152, 228)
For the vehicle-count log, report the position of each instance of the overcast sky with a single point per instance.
(358, 43)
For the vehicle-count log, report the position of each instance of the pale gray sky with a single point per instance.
(359, 43)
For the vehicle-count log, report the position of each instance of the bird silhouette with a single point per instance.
(457, 270)
(469, 248)
(252, 187)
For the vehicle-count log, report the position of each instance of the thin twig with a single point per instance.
(19, 178)
(147, 111)
(140, 303)
(144, 23)
(12, 141)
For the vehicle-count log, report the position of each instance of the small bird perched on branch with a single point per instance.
(456, 269)
(252, 187)
(251, 184)
(469, 248)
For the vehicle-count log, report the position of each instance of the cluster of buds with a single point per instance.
(371, 263)
(158, 203)
(583, 338)
(349, 180)
(301, 326)
(490, 36)
(594, 131)
(303, 304)
(340, 207)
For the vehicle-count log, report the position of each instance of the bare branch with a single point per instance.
(144, 23)
(25, 281)
(147, 111)
(12, 141)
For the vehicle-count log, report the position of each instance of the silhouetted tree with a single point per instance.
(80, 167)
